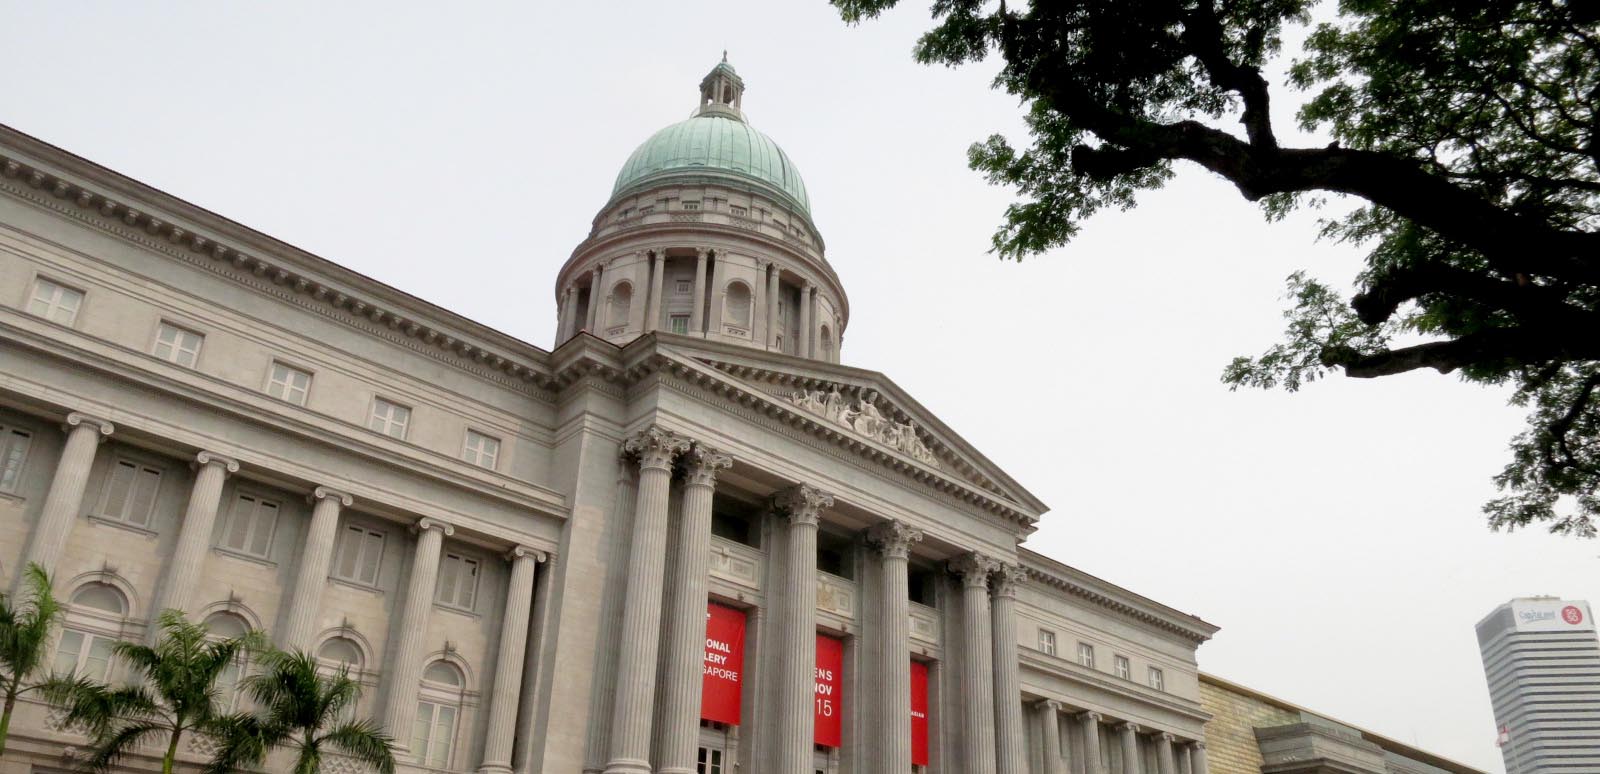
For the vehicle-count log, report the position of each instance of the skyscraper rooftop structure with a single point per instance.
(1542, 661)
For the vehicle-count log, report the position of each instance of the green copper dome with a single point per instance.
(714, 144)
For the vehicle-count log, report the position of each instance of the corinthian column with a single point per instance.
(804, 348)
(1050, 726)
(640, 638)
(697, 312)
(977, 657)
(1164, 761)
(1128, 735)
(65, 500)
(569, 303)
(893, 541)
(652, 312)
(1197, 758)
(797, 610)
(1093, 762)
(1010, 735)
(195, 533)
(594, 300)
(686, 626)
(508, 662)
(772, 305)
(407, 661)
(311, 577)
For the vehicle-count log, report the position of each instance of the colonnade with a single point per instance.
(1172, 755)
(404, 661)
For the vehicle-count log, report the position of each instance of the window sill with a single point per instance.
(358, 586)
(134, 528)
(244, 557)
(8, 497)
(461, 611)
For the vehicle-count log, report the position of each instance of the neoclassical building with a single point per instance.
(685, 538)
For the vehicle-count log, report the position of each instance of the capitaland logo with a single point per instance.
(1535, 616)
(1572, 615)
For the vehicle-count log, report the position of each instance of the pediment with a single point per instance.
(863, 410)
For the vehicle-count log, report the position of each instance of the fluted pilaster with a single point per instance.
(893, 540)
(406, 670)
(686, 626)
(194, 534)
(1128, 735)
(977, 658)
(311, 577)
(502, 725)
(1093, 759)
(65, 500)
(1164, 760)
(603, 696)
(1050, 733)
(1010, 733)
(802, 506)
(640, 638)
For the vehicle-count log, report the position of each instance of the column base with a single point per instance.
(494, 768)
(626, 766)
(676, 770)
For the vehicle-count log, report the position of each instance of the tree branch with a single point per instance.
(1505, 344)
(1529, 302)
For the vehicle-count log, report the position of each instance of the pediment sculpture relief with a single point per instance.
(863, 417)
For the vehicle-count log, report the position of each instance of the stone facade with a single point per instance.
(513, 548)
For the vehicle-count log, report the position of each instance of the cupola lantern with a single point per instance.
(721, 91)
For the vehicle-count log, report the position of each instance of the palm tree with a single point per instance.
(175, 694)
(24, 631)
(304, 711)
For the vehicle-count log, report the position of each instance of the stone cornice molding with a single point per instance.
(893, 538)
(110, 213)
(973, 568)
(229, 464)
(802, 503)
(1120, 601)
(325, 492)
(103, 426)
(655, 447)
(701, 463)
(428, 522)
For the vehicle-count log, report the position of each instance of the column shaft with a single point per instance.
(1093, 761)
(804, 345)
(1050, 728)
(1164, 760)
(194, 534)
(605, 680)
(569, 303)
(640, 638)
(312, 575)
(64, 503)
(772, 306)
(1185, 766)
(1197, 758)
(697, 311)
(595, 299)
(1010, 734)
(407, 662)
(977, 659)
(686, 626)
(1129, 736)
(658, 269)
(501, 732)
(797, 611)
(892, 722)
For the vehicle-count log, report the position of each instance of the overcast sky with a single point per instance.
(1334, 535)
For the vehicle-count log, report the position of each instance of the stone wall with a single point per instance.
(1230, 734)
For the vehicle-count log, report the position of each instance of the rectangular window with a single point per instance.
(360, 552)
(251, 525)
(709, 761)
(481, 450)
(391, 419)
(1047, 641)
(1086, 654)
(130, 494)
(432, 733)
(86, 655)
(740, 211)
(13, 454)
(680, 323)
(458, 581)
(683, 287)
(54, 302)
(691, 205)
(288, 384)
(178, 345)
(1158, 681)
(1123, 667)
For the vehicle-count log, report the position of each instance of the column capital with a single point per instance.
(802, 503)
(1048, 704)
(1007, 578)
(1128, 728)
(1198, 745)
(701, 464)
(974, 569)
(527, 552)
(324, 493)
(702, 252)
(428, 522)
(661, 253)
(655, 447)
(76, 419)
(1166, 737)
(1091, 716)
(893, 538)
(205, 458)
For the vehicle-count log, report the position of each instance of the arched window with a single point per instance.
(825, 343)
(94, 616)
(227, 626)
(433, 732)
(339, 653)
(621, 300)
(738, 304)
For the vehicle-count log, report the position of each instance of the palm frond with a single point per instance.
(365, 741)
(243, 742)
(114, 745)
(25, 626)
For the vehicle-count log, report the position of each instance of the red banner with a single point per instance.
(919, 713)
(720, 691)
(830, 691)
